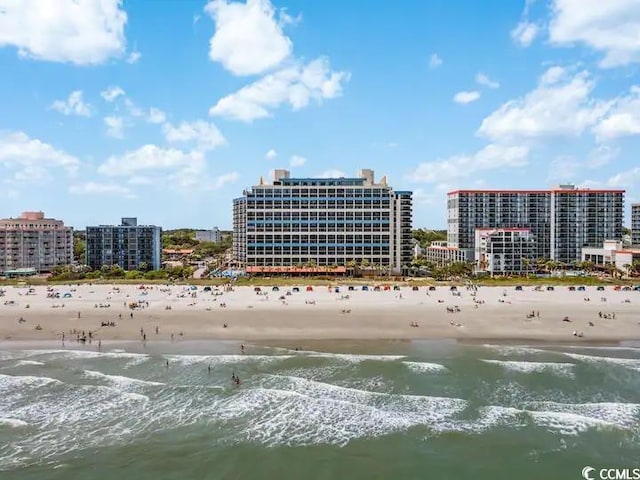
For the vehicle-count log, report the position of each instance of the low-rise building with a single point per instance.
(441, 254)
(128, 245)
(611, 253)
(33, 242)
(213, 235)
(504, 251)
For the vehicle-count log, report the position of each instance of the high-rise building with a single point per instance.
(34, 242)
(505, 251)
(635, 224)
(562, 220)
(324, 221)
(128, 245)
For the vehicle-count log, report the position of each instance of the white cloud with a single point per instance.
(610, 27)
(525, 33)
(626, 179)
(296, 86)
(222, 180)
(623, 119)
(30, 159)
(115, 126)
(297, 161)
(156, 115)
(248, 39)
(93, 188)
(482, 79)
(133, 109)
(134, 57)
(563, 168)
(83, 32)
(332, 173)
(139, 180)
(435, 61)
(602, 155)
(560, 106)
(73, 105)
(150, 158)
(111, 93)
(271, 154)
(205, 135)
(491, 157)
(466, 97)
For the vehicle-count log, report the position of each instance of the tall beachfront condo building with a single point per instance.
(325, 221)
(561, 220)
(34, 242)
(635, 224)
(128, 245)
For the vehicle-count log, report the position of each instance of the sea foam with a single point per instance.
(425, 367)
(563, 369)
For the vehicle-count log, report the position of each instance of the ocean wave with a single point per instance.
(24, 363)
(12, 423)
(630, 363)
(425, 367)
(224, 359)
(120, 380)
(26, 381)
(514, 350)
(563, 369)
(355, 358)
(295, 411)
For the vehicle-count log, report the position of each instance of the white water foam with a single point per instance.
(25, 381)
(12, 423)
(224, 359)
(425, 367)
(561, 418)
(562, 369)
(24, 363)
(630, 363)
(507, 350)
(356, 358)
(295, 411)
(123, 382)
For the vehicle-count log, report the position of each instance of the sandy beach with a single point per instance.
(190, 313)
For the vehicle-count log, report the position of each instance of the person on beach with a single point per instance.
(99, 344)
(242, 348)
(167, 364)
(209, 369)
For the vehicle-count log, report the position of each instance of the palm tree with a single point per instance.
(526, 263)
(627, 268)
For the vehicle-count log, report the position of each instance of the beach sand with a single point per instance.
(494, 313)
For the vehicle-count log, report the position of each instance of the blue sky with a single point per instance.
(168, 109)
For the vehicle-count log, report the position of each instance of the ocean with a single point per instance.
(397, 410)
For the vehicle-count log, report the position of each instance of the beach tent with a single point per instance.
(206, 289)
(453, 288)
(296, 289)
(572, 288)
(376, 288)
(351, 288)
(600, 288)
(581, 288)
(309, 288)
(336, 290)
(66, 295)
(396, 287)
(257, 289)
(415, 288)
(519, 288)
(365, 288)
(550, 288)
(432, 288)
(387, 287)
(275, 289)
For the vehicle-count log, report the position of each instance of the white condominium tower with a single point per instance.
(326, 221)
(562, 220)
